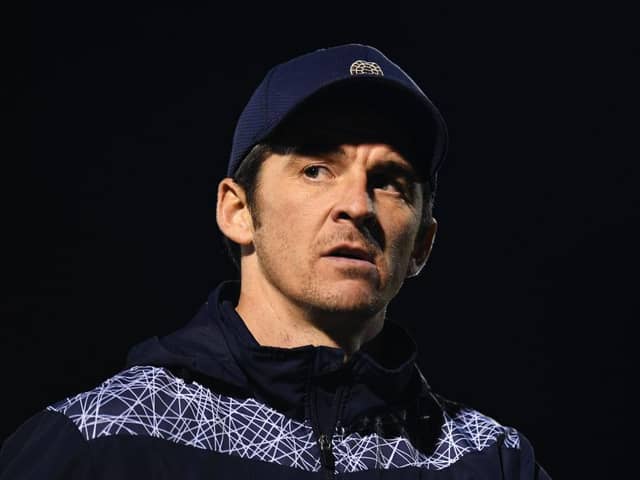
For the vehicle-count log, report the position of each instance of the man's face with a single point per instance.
(334, 232)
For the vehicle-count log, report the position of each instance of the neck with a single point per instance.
(275, 321)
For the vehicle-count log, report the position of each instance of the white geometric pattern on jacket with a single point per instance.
(150, 401)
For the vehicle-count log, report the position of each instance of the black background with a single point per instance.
(123, 122)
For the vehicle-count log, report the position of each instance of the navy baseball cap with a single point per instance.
(350, 73)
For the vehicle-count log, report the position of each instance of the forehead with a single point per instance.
(332, 129)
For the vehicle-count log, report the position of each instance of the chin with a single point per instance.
(349, 297)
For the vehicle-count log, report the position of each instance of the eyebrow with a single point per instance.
(319, 149)
(395, 168)
(327, 155)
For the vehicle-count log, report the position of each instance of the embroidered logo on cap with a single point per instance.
(362, 67)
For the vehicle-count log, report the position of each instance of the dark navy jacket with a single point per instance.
(208, 402)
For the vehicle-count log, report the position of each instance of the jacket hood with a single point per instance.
(200, 346)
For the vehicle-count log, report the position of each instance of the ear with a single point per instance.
(232, 212)
(422, 250)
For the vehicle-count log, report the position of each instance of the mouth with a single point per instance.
(351, 252)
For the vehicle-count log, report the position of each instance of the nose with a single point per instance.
(354, 202)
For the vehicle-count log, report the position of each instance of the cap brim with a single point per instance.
(407, 109)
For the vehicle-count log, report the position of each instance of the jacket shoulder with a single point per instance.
(466, 430)
(127, 403)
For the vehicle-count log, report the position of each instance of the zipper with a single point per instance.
(326, 454)
(325, 439)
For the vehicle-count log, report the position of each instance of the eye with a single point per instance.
(388, 184)
(390, 187)
(315, 171)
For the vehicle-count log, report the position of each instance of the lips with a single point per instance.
(354, 252)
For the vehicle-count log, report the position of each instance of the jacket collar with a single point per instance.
(217, 346)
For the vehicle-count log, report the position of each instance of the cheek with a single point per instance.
(402, 231)
(298, 214)
(284, 228)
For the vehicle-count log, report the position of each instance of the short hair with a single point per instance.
(248, 173)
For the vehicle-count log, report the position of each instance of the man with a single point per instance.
(293, 372)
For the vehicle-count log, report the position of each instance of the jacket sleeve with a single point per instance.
(520, 463)
(48, 445)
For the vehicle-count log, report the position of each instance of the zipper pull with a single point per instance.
(326, 452)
